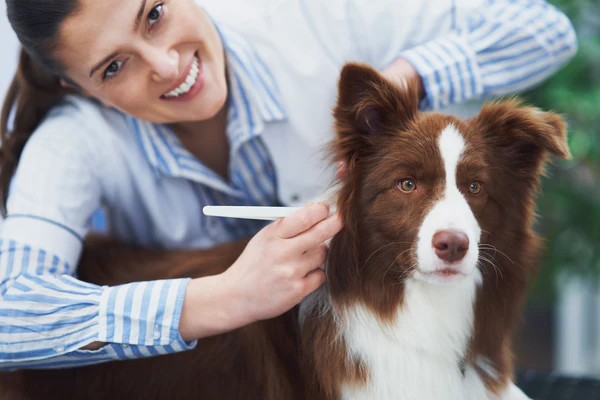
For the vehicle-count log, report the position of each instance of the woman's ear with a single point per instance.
(67, 85)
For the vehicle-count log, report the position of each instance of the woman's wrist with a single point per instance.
(211, 306)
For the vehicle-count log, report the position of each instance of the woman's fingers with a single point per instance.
(314, 258)
(301, 220)
(319, 233)
(313, 281)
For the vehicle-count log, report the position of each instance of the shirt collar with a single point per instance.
(254, 100)
(254, 95)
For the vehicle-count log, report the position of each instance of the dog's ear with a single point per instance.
(522, 136)
(369, 105)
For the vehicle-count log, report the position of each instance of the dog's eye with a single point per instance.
(475, 188)
(407, 185)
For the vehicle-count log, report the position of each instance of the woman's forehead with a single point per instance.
(94, 31)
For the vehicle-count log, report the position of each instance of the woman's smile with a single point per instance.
(189, 84)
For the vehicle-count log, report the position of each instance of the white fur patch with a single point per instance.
(486, 366)
(451, 212)
(419, 355)
(512, 392)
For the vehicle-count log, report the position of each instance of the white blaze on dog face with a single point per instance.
(447, 244)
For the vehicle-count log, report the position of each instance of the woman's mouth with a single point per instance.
(189, 86)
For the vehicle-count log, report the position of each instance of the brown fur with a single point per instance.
(382, 138)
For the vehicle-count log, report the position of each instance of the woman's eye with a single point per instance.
(475, 188)
(407, 185)
(112, 69)
(155, 14)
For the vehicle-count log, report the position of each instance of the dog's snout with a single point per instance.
(450, 246)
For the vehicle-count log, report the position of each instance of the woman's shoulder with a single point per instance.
(79, 125)
(76, 114)
(79, 135)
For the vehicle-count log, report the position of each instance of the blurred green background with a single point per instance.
(560, 331)
(569, 207)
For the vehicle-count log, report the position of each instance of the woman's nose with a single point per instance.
(164, 65)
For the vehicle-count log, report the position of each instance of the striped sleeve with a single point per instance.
(502, 48)
(47, 315)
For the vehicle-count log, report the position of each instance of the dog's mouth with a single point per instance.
(443, 275)
(447, 272)
(444, 272)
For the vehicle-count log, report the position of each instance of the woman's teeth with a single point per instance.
(189, 81)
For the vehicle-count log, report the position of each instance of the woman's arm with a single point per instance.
(46, 314)
(463, 52)
(106, 261)
(233, 284)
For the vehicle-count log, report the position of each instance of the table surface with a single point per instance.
(539, 386)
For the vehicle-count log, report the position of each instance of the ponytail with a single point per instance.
(32, 93)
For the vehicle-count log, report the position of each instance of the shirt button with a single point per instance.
(156, 334)
(295, 197)
(59, 349)
(124, 345)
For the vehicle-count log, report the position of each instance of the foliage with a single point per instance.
(569, 209)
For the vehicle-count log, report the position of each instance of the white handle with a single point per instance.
(250, 212)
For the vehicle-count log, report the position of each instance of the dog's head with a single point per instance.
(428, 196)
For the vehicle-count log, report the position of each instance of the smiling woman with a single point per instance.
(154, 109)
(139, 58)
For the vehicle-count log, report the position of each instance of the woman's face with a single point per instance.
(161, 61)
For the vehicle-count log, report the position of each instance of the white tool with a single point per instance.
(252, 212)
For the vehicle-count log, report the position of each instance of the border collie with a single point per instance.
(424, 283)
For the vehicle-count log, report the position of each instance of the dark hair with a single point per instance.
(36, 88)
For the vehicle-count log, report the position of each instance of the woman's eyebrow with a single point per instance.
(136, 24)
(104, 61)
(138, 19)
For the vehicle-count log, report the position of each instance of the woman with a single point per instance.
(154, 109)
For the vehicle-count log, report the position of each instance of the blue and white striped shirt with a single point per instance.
(514, 45)
(284, 59)
(46, 314)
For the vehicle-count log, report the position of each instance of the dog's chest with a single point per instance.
(419, 356)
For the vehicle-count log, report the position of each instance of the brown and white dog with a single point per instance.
(424, 283)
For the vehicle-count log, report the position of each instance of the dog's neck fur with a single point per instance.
(418, 353)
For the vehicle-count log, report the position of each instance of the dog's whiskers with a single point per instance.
(382, 247)
(400, 280)
(481, 268)
(486, 246)
(496, 268)
(388, 268)
(490, 247)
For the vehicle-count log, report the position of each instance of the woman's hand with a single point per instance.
(401, 71)
(278, 268)
(281, 264)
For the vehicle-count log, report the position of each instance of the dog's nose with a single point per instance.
(450, 246)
